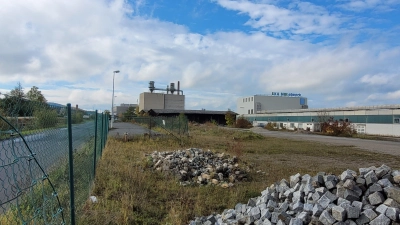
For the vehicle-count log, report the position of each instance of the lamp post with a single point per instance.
(112, 101)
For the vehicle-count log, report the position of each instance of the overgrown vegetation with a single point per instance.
(241, 122)
(130, 193)
(337, 128)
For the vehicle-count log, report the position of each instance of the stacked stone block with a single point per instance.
(370, 197)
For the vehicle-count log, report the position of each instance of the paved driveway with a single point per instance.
(386, 147)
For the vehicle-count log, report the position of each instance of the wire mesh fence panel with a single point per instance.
(35, 178)
(177, 125)
(28, 154)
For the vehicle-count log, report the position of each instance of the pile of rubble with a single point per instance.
(198, 166)
(372, 197)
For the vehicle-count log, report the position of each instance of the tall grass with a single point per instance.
(130, 193)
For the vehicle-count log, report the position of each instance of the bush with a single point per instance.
(241, 122)
(270, 126)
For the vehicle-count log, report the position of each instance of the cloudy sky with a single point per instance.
(336, 53)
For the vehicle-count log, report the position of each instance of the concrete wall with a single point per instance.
(248, 105)
(149, 101)
(174, 101)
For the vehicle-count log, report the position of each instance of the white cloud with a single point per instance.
(70, 48)
(362, 5)
(298, 18)
(377, 79)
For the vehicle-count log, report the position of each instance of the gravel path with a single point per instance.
(385, 147)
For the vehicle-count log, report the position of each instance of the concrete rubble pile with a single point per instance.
(371, 197)
(198, 166)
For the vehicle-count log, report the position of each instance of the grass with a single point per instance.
(130, 193)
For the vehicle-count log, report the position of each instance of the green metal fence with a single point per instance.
(177, 126)
(48, 158)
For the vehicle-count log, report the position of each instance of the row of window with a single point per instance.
(384, 119)
(249, 99)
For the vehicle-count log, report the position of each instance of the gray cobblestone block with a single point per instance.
(317, 195)
(351, 195)
(391, 203)
(396, 179)
(271, 204)
(280, 222)
(342, 200)
(362, 220)
(376, 198)
(370, 178)
(374, 188)
(370, 214)
(317, 210)
(357, 204)
(348, 174)
(364, 171)
(350, 222)
(381, 209)
(339, 213)
(295, 221)
(340, 223)
(305, 217)
(324, 201)
(293, 180)
(266, 222)
(255, 212)
(353, 212)
(360, 180)
(308, 207)
(380, 220)
(393, 213)
(384, 182)
(340, 191)
(330, 184)
(393, 193)
(297, 206)
(326, 218)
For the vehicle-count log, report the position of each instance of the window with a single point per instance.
(243, 100)
(248, 111)
(396, 120)
(251, 111)
(300, 125)
(251, 98)
(291, 125)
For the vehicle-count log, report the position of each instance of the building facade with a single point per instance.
(373, 120)
(263, 103)
(150, 100)
(122, 108)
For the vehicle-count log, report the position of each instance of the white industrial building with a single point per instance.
(263, 103)
(172, 99)
(122, 108)
(373, 120)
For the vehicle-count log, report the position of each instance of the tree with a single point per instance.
(18, 92)
(230, 118)
(130, 112)
(35, 95)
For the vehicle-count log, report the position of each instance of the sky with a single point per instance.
(338, 53)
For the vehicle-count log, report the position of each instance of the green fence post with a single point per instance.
(71, 167)
(95, 146)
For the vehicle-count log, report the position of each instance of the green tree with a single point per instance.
(18, 92)
(35, 95)
(230, 118)
(45, 117)
(130, 112)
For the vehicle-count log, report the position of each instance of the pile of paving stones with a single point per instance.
(371, 197)
(195, 165)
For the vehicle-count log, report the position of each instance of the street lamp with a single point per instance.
(112, 101)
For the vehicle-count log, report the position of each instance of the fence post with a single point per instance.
(71, 167)
(95, 146)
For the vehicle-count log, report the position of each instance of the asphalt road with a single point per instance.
(385, 147)
(18, 170)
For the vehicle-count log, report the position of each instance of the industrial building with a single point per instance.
(122, 108)
(168, 100)
(372, 120)
(171, 102)
(277, 101)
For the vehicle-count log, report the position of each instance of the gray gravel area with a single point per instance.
(385, 147)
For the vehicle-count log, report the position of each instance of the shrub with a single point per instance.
(241, 122)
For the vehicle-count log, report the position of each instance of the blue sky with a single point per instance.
(337, 53)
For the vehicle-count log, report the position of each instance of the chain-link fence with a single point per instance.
(177, 126)
(48, 157)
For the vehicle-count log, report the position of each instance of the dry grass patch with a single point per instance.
(130, 193)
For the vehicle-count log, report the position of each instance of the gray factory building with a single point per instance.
(172, 99)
